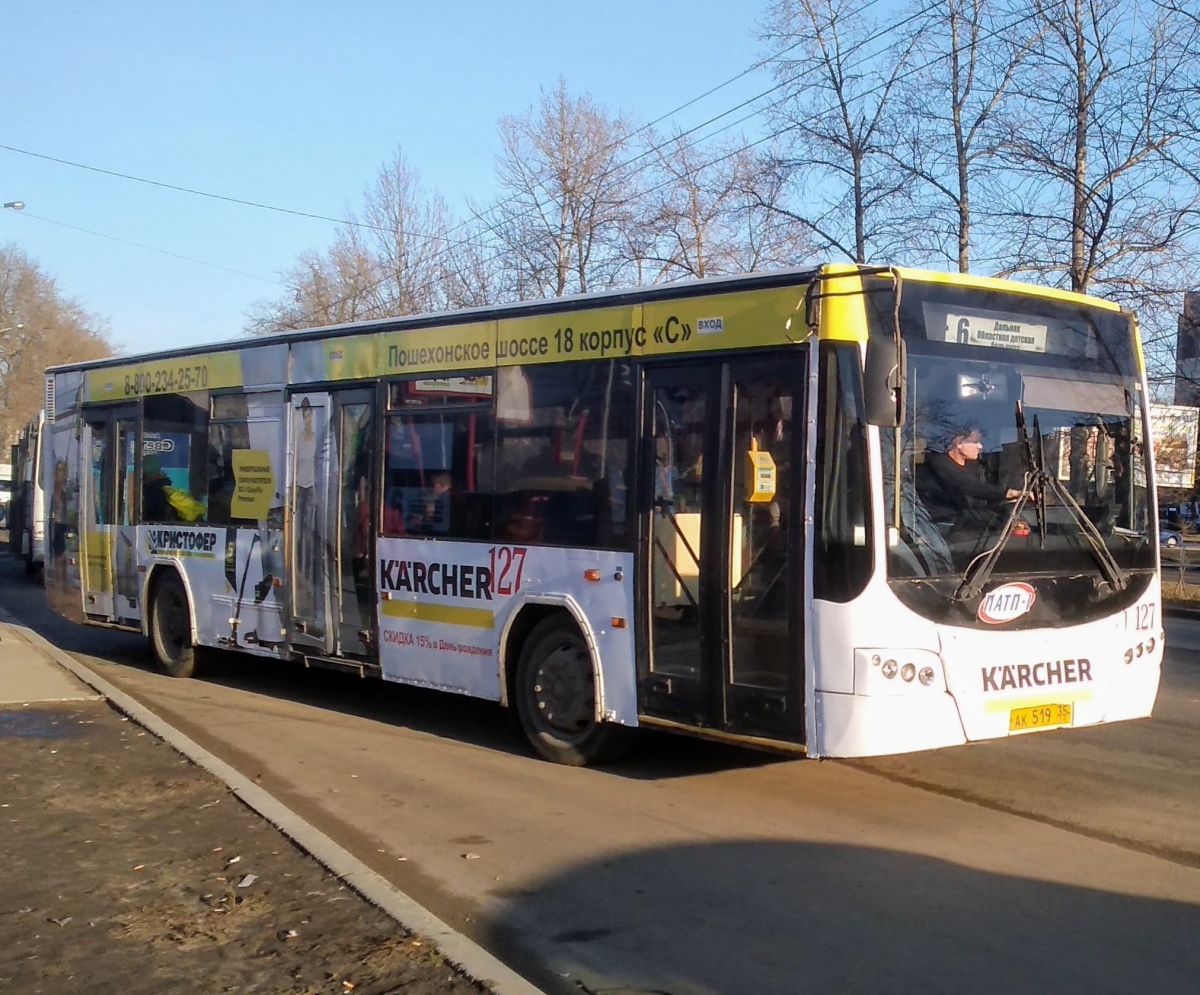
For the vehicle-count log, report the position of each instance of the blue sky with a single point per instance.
(297, 105)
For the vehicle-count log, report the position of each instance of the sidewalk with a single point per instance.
(28, 676)
(124, 866)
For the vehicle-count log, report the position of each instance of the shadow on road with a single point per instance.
(757, 918)
(436, 713)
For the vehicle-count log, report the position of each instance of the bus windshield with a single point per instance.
(1000, 385)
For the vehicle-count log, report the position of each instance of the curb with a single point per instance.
(463, 953)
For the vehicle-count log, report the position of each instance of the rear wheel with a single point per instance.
(556, 698)
(171, 627)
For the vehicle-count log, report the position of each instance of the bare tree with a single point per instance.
(837, 123)
(764, 236)
(396, 260)
(473, 273)
(409, 236)
(966, 55)
(689, 208)
(565, 197)
(1100, 195)
(328, 288)
(1099, 200)
(711, 210)
(39, 327)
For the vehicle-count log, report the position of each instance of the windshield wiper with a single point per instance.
(980, 569)
(1037, 483)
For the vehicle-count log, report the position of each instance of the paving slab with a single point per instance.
(29, 676)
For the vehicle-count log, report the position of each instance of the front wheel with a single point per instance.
(171, 627)
(556, 698)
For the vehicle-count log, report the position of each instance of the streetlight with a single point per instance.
(15, 205)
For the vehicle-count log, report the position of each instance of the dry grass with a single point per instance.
(208, 921)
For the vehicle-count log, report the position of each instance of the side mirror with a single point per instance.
(812, 306)
(883, 381)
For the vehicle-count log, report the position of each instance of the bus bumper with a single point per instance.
(857, 725)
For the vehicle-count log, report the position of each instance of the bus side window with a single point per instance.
(563, 445)
(227, 431)
(438, 475)
(841, 546)
(175, 458)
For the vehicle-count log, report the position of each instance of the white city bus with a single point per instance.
(847, 512)
(27, 511)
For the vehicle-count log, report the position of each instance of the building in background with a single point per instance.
(1187, 352)
(1174, 430)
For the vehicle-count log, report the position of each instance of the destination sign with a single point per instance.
(994, 330)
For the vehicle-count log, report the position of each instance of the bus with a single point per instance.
(27, 511)
(845, 511)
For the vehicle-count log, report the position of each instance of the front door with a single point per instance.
(331, 541)
(721, 553)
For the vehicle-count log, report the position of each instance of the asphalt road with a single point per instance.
(1061, 862)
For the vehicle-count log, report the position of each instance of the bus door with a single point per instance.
(110, 587)
(126, 582)
(354, 418)
(721, 548)
(331, 543)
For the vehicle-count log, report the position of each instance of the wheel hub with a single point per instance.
(564, 689)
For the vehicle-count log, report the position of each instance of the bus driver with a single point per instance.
(953, 486)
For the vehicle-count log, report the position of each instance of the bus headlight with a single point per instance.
(876, 670)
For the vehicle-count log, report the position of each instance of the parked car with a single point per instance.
(1169, 538)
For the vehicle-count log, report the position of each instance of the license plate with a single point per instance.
(1039, 717)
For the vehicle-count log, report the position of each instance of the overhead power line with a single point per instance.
(856, 47)
(905, 74)
(222, 197)
(151, 248)
(259, 205)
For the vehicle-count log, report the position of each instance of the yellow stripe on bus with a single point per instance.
(177, 375)
(476, 618)
(843, 306)
(1052, 698)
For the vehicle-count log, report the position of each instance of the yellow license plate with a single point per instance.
(1039, 717)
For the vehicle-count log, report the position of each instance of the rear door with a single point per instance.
(333, 470)
(356, 473)
(98, 513)
(109, 484)
(312, 522)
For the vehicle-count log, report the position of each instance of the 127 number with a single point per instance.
(507, 565)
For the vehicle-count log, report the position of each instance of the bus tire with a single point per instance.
(171, 627)
(556, 697)
(30, 566)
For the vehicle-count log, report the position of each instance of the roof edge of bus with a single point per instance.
(1007, 283)
(792, 276)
